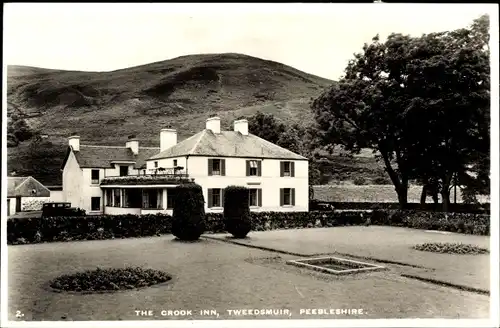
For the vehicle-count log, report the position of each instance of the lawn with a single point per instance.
(215, 275)
(387, 244)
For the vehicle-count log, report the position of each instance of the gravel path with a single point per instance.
(212, 275)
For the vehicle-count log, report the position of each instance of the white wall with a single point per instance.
(33, 203)
(109, 210)
(56, 196)
(12, 205)
(72, 182)
(270, 181)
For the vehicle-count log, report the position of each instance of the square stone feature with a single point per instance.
(335, 265)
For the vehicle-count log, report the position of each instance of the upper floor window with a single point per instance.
(216, 166)
(94, 176)
(156, 164)
(287, 169)
(254, 168)
(123, 170)
(175, 163)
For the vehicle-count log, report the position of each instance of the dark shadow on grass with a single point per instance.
(181, 241)
(237, 238)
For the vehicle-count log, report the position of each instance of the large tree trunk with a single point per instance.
(445, 192)
(423, 195)
(401, 186)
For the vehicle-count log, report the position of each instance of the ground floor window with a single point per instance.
(287, 196)
(255, 197)
(116, 197)
(132, 198)
(215, 197)
(95, 203)
(170, 198)
(152, 199)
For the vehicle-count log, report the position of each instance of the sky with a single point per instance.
(316, 38)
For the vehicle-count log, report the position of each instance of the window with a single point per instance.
(170, 198)
(287, 169)
(255, 197)
(156, 164)
(216, 167)
(131, 198)
(95, 203)
(95, 176)
(175, 163)
(109, 197)
(215, 197)
(287, 196)
(253, 168)
(123, 170)
(152, 199)
(116, 197)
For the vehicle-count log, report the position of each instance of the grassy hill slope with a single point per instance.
(106, 107)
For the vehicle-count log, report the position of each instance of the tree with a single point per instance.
(365, 108)
(420, 102)
(266, 126)
(188, 215)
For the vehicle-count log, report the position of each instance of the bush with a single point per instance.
(237, 211)
(101, 280)
(451, 248)
(381, 181)
(359, 181)
(188, 216)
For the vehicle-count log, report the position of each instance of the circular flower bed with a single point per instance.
(451, 248)
(102, 280)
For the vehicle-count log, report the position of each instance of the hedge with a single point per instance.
(36, 230)
(315, 205)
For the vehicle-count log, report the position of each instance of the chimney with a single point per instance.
(168, 138)
(213, 123)
(133, 144)
(74, 142)
(241, 126)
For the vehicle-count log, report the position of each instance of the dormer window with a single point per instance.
(123, 170)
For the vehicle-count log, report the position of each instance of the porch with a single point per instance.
(141, 194)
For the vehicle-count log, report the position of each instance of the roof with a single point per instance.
(103, 156)
(227, 144)
(26, 187)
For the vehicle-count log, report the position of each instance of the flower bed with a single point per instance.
(451, 248)
(103, 280)
(36, 230)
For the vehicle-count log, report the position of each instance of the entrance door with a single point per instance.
(18, 204)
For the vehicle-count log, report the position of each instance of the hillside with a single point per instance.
(106, 107)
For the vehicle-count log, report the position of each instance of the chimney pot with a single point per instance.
(133, 144)
(241, 126)
(213, 124)
(168, 138)
(74, 142)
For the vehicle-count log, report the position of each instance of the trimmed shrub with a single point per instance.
(237, 211)
(188, 215)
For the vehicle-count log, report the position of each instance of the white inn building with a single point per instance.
(141, 180)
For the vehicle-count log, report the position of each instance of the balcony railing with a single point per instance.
(157, 178)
